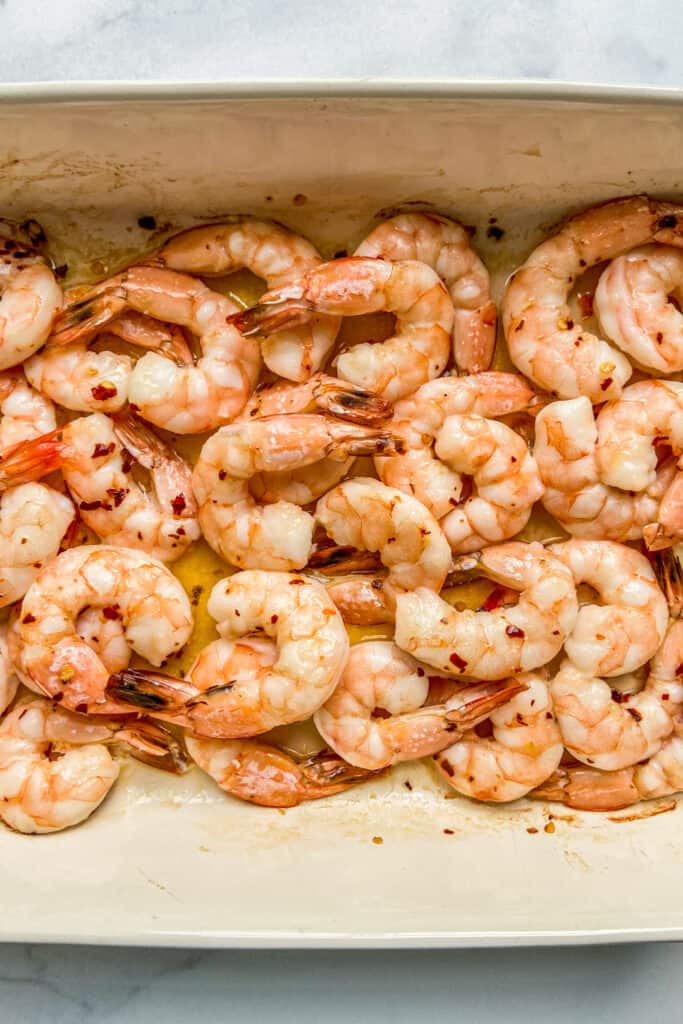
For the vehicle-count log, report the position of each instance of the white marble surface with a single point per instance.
(617, 42)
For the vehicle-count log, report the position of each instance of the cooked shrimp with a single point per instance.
(88, 380)
(610, 734)
(632, 301)
(416, 352)
(566, 455)
(625, 630)
(589, 789)
(376, 716)
(240, 687)
(544, 341)
(54, 769)
(419, 420)
(8, 678)
(273, 253)
(445, 246)
(524, 749)
(366, 514)
(263, 774)
(499, 643)
(25, 413)
(321, 394)
(127, 585)
(97, 456)
(183, 399)
(33, 520)
(29, 300)
(275, 536)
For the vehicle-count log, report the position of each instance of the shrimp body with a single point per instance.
(129, 586)
(376, 715)
(180, 398)
(29, 300)
(418, 350)
(241, 686)
(263, 774)
(366, 514)
(98, 454)
(525, 748)
(279, 535)
(566, 455)
(25, 413)
(273, 253)
(499, 643)
(419, 420)
(633, 307)
(589, 789)
(41, 792)
(444, 245)
(609, 734)
(543, 340)
(9, 681)
(626, 629)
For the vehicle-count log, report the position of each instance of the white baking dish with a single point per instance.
(170, 861)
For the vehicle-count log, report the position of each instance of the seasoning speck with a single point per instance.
(147, 223)
(549, 828)
(377, 840)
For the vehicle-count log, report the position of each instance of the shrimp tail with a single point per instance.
(285, 308)
(348, 445)
(669, 573)
(86, 315)
(480, 701)
(146, 447)
(150, 690)
(155, 745)
(31, 460)
(349, 402)
(339, 559)
(588, 789)
(326, 773)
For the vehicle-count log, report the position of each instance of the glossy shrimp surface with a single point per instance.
(184, 399)
(609, 733)
(624, 629)
(129, 586)
(241, 685)
(257, 534)
(97, 458)
(273, 253)
(523, 749)
(544, 341)
(29, 301)
(54, 768)
(445, 245)
(632, 302)
(420, 346)
(502, 642)
(376, 716)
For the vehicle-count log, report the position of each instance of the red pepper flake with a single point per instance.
(458, 662)
(532, 831)
(117, 494)
(448, 832)
(514, 631)
(299, 199)
(222, 473)
(273, 619)
(112, 612)
(660, 337)
(90, 506)
(179, 504)
(447, 767)
(419, 671)
(101, 392)
(408, 784)
(607, 383)
(28, 618)
(195, 595)
(296, 583)
(635, 714)
(101, 450)
(665, 696)
(679, 670)
(586, 304)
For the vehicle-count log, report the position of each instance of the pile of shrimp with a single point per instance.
(368, 503)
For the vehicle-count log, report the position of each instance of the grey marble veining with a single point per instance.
(576, 40)
(616, 42)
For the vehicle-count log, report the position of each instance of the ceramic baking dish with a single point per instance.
(169, 861)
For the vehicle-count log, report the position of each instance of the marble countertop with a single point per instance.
(200, 40)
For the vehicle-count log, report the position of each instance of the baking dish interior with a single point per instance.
(173, 860)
